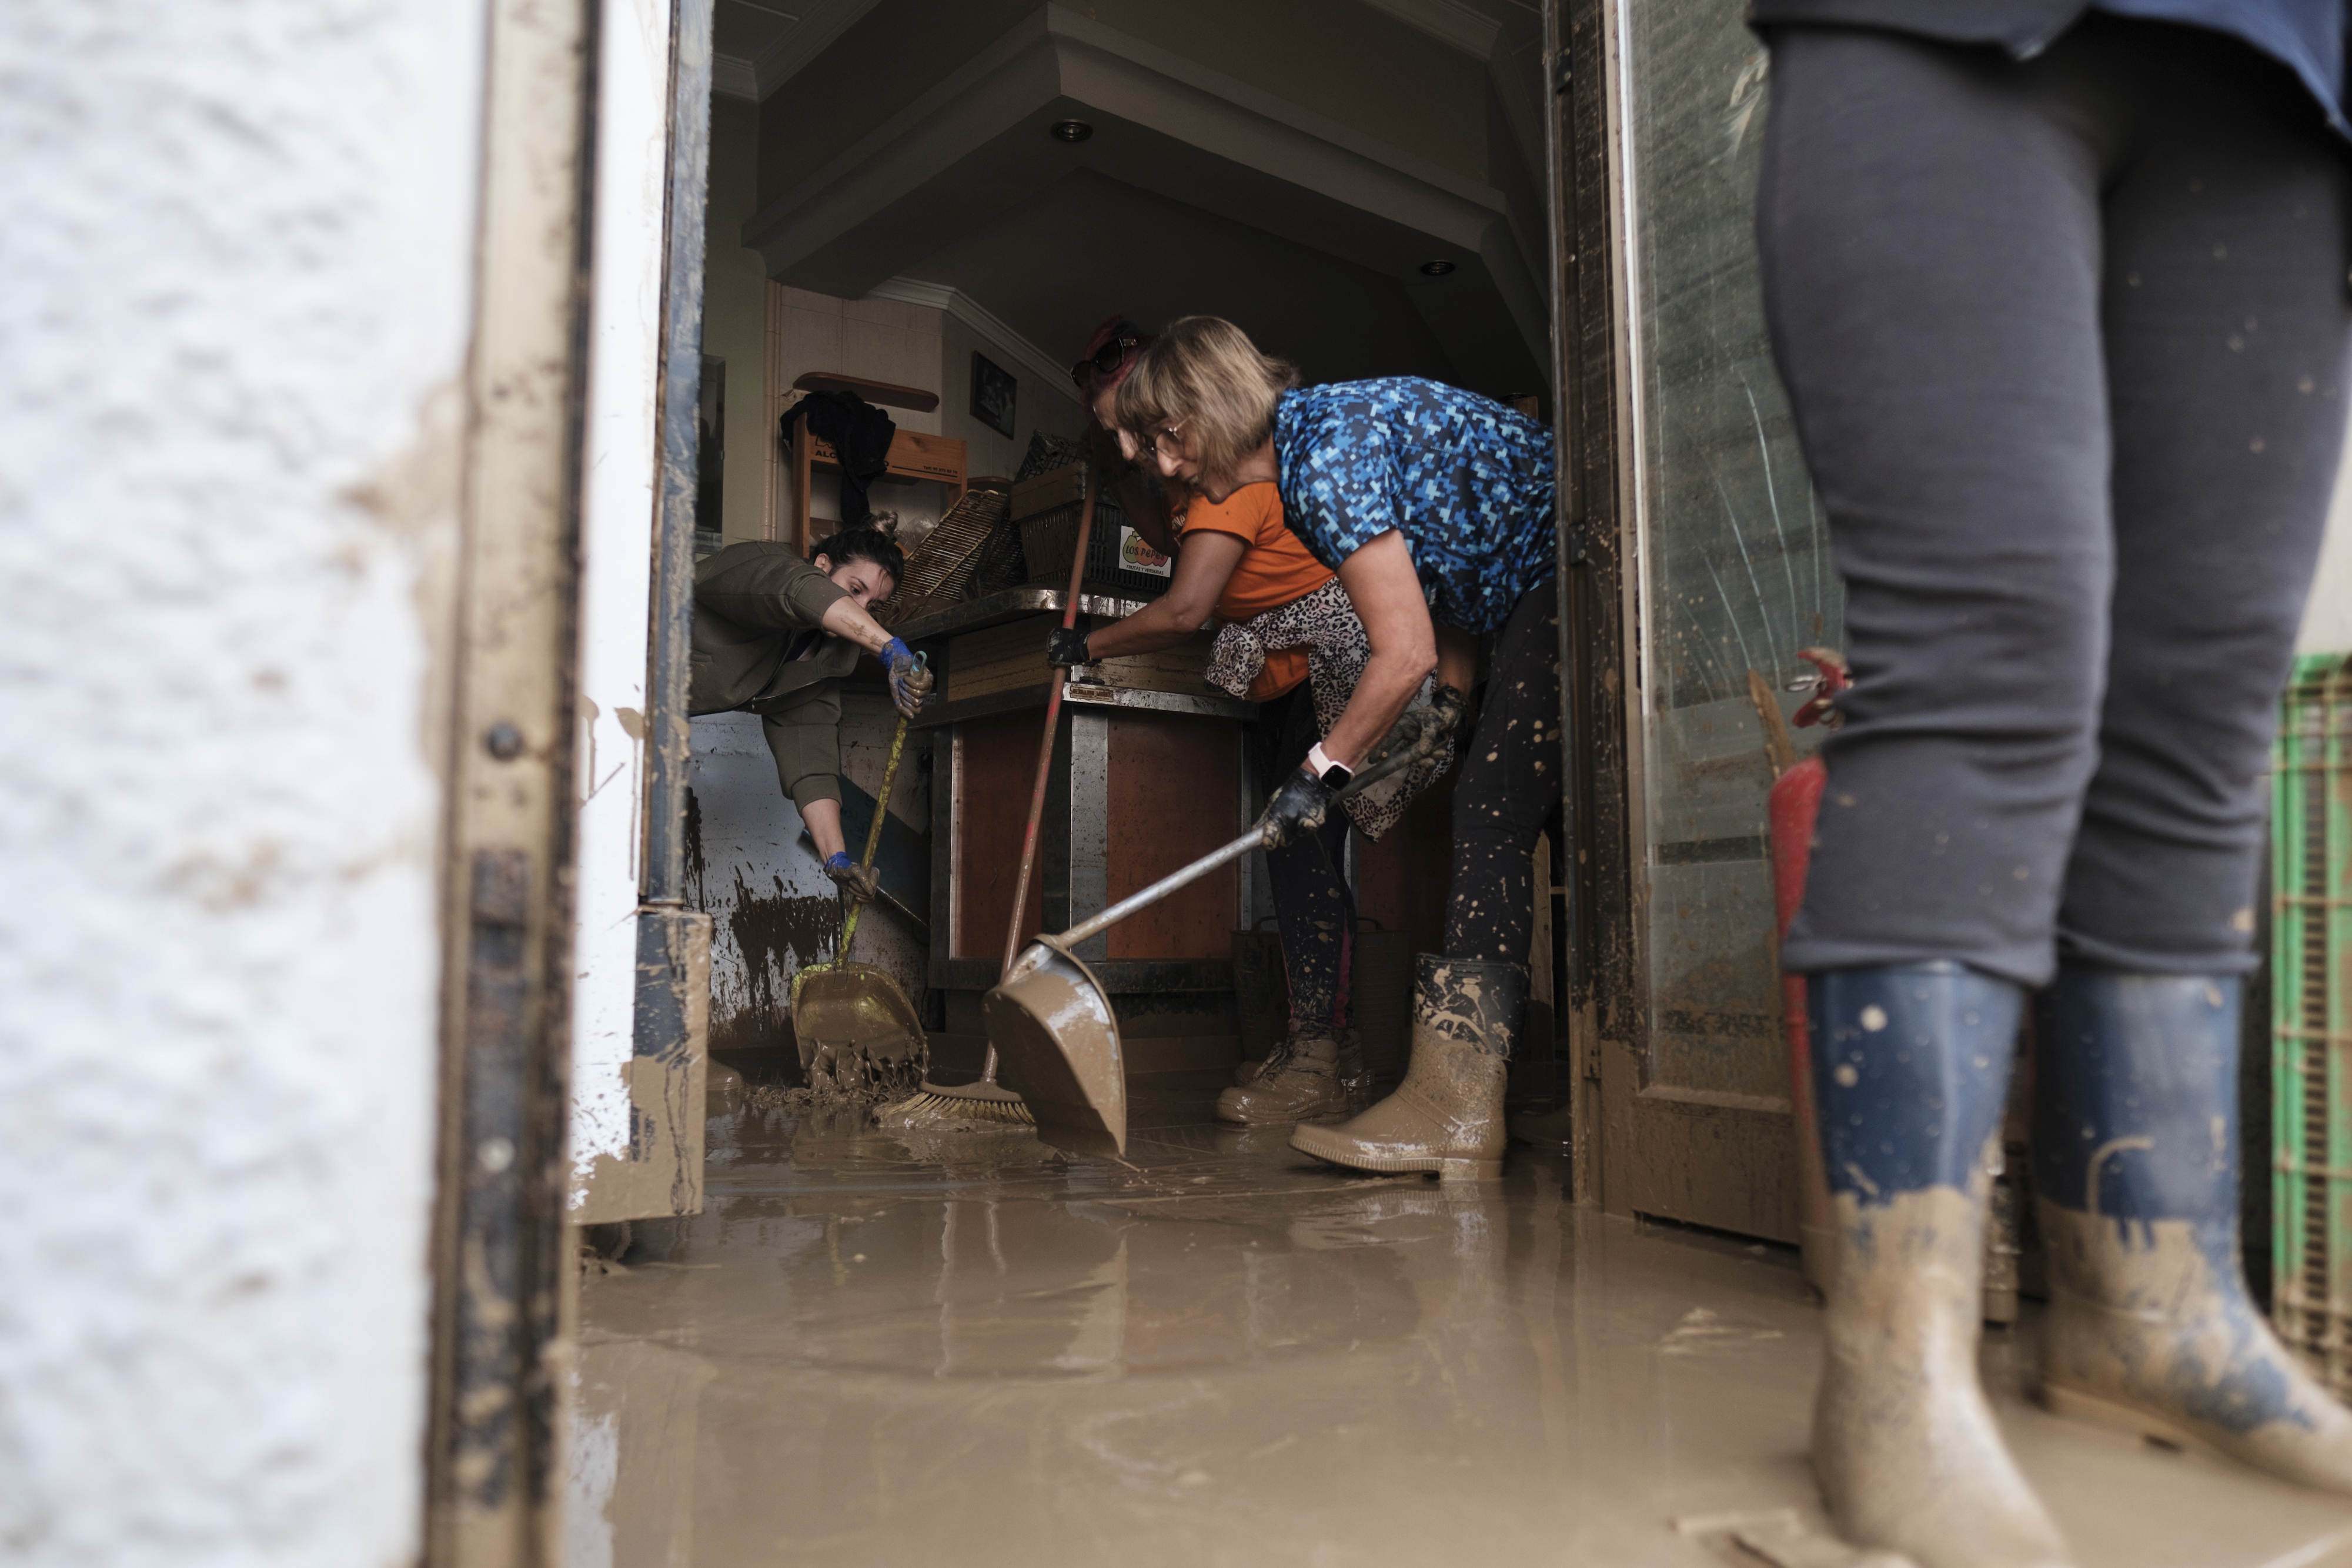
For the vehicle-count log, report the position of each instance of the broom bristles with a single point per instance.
(979, 1100)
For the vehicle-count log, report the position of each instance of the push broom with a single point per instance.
(985, 1100)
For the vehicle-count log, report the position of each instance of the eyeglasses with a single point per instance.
(1104, 360)
(1169, 440)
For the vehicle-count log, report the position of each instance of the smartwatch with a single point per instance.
(1334, 775)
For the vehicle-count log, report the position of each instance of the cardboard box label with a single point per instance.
(1135, 555)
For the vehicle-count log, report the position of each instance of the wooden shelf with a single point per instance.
(913, 456)
(890, 394)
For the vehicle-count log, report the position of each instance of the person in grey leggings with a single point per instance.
(2064, 325)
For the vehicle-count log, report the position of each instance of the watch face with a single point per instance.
(1336, 777)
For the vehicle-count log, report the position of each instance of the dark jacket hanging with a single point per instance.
(860, 433)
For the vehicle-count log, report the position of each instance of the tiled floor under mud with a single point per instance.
(879, 1350)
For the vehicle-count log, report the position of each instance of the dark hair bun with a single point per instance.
(862, 543)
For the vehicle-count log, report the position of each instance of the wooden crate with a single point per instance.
(1054, 487)
(1007, 657)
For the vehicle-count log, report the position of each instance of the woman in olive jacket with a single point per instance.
(775, 635)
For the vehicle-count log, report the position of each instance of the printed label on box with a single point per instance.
(1135, 555)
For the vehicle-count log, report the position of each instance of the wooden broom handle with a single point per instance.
(1046, 747)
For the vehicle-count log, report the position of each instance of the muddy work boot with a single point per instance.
(1354, 1073)
(2136, 1176)
(1911, 1071)
(1447, 1114)
(1299, 1080)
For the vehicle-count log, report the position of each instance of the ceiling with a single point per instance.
(1193, 194)
(1107, 246)
(761, 43)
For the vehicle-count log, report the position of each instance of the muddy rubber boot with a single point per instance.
(1249, 1072)
(1300, 1082)
(1910, 1070)
(1355, 1076)
(1447, 1114)
(1355, 1071)
(2136, 1176)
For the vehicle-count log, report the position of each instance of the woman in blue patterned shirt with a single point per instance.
(1434, 505)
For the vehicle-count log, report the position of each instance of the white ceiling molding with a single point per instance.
(817, 23)
(731, 76)
(1447, 22)
(983, 322)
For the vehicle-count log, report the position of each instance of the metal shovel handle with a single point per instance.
(1403, 757)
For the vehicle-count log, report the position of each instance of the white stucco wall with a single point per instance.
(238, 264)
(616, 569)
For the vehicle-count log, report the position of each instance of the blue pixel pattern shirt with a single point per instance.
(1467, 481)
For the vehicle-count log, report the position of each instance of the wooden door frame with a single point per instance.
(505, 1275)
(1713, 1159)
(503, 1279)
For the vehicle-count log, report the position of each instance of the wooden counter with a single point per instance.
(1143, 779)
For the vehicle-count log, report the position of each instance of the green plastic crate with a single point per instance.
(2311, 1016)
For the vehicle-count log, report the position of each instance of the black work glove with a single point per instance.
(1297, 809)
(1454, 709)
(1068, 645)
(1425, 731)
(857, 883)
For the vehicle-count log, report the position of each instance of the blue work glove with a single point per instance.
(1297, 809)
(857, 883)
(910, 676)
(1068, 645)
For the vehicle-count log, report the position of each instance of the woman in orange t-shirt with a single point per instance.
(1289, 639)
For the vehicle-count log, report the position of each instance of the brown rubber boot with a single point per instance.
(1296, 1083)
(1354, 1073)
(1447, 1114)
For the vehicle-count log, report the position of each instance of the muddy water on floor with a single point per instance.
(880, 1348)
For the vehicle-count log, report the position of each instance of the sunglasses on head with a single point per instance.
(1103, 361)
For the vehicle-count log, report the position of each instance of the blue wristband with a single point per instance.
(894, 651)
(838, 860)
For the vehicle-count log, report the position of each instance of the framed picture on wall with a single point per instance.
(993, 391)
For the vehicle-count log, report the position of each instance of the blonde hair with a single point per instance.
(1204, 370)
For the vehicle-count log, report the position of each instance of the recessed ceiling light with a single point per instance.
(1437, 269)
(1071, 130)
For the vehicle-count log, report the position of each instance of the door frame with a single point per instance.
(1724, 1160)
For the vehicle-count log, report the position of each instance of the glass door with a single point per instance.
(1731, 577)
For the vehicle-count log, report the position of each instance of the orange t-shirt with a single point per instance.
(1275, 570)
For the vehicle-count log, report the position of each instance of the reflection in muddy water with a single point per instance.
(882, 1347)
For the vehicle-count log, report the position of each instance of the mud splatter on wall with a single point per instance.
(773, 907)
(770, 936)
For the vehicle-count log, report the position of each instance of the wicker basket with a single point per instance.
(1048, 538)
(967, 543)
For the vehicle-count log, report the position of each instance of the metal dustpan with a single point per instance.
(857, 1028)
(1053, 1028)
(1051, 1021)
